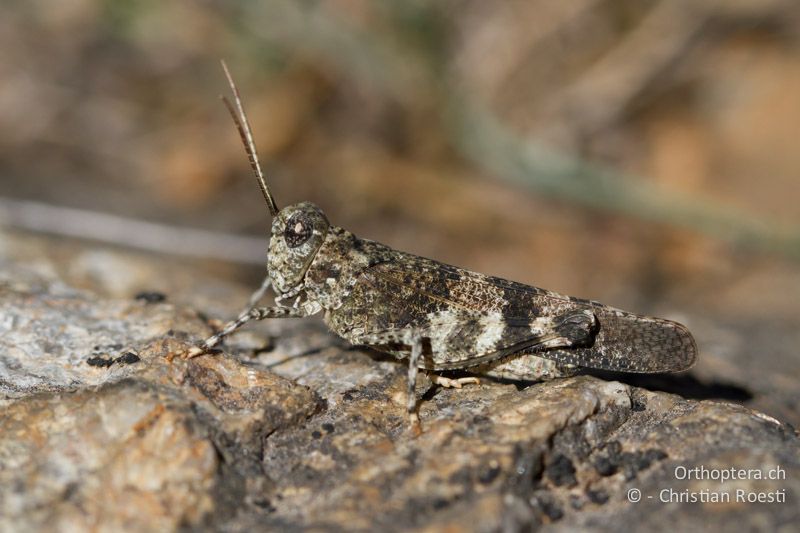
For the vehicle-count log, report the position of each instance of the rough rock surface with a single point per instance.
(288, 428)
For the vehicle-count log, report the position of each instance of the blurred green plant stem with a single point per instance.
(480, 137)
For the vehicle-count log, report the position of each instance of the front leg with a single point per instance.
(251, 304)
(255, 313)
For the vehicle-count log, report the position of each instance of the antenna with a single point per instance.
(242, 124)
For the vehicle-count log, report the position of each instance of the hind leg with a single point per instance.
(452, 383)
(525, 367)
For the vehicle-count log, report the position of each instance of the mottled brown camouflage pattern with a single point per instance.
(377, 296)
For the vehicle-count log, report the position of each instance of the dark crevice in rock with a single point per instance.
(545, 473)
(101, 362)
(150, 297)
(610, 459)
(128, 358)
(561, 471)
(528, 467)
(429, 394)
(229, 491)
(598, 497)
(243, 484)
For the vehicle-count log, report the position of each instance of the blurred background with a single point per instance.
(639, 152)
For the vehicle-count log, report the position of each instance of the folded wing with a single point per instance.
(413, 292)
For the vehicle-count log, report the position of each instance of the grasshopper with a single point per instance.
(440, 317)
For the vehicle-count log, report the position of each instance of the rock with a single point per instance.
(99, 430)
(119, 457)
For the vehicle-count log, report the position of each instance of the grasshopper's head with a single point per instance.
(298, 231)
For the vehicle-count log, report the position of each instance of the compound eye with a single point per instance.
(298, 230)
